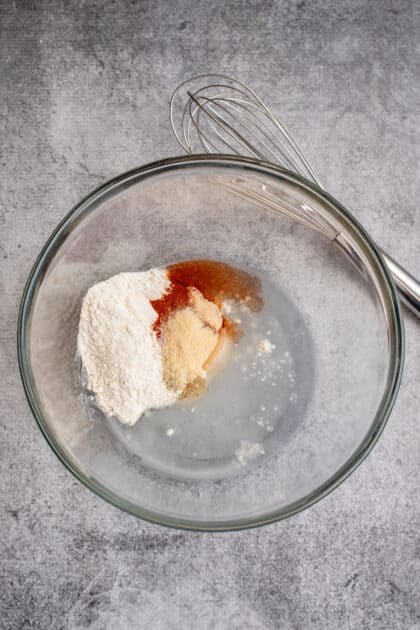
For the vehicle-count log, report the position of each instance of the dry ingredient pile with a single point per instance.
(147, 339)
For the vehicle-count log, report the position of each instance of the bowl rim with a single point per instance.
(393, 320)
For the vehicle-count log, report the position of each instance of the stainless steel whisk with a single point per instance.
(216, 114)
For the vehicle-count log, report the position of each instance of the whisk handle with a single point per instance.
(407, 285)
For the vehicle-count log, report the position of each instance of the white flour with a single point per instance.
(248, 450)
(118, 347)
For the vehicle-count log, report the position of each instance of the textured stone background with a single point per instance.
(84, 90)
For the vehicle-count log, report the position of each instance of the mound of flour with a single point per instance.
(119, 350)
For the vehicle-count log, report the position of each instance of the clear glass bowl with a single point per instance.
(336, 313)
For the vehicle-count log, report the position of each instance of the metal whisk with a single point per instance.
(216, 114)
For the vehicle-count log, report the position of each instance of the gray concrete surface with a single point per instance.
(84, 90)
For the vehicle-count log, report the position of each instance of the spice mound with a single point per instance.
(146, 339)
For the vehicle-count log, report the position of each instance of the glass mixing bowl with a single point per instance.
(335, 317)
